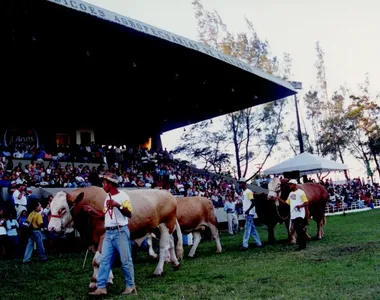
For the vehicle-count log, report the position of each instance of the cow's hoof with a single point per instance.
(176, 267)
(158, 272)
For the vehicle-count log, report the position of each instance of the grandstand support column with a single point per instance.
(156, 141)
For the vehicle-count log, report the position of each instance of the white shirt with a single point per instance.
(247, 200)
(3, 230)
(297, 198)
(12, 231)
(121, 219)
(22, 201)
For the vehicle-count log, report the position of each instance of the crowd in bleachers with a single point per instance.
(135, 167)
(351, 195)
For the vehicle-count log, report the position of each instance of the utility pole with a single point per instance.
(298, 85)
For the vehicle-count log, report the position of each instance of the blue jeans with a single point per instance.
(35, 237)
(121, 244)
(250, 230)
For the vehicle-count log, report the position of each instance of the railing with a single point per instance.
(333, 208)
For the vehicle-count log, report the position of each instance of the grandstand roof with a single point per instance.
(69, 54)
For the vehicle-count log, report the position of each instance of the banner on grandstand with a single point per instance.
(163, 34)
(17, 136)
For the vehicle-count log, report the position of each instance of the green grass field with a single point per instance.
(345, 265)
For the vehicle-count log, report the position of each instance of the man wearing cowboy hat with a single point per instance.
(117, 209)
(249, 212)
(298, 203)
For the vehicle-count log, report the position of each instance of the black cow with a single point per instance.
(271, 215)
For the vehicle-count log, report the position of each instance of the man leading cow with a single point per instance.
(298, 203)
(117, 209)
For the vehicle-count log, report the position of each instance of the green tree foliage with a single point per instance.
(252, 133)
(314, 112)
(321, 72)
(206, 147)
(334, 135)
(364, 115)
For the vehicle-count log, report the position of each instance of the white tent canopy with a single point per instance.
(306, 163)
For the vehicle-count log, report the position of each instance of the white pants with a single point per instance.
(232, 222)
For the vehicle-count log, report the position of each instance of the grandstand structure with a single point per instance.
(79, 69)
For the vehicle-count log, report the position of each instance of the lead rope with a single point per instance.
(277, 205)
(125, 249)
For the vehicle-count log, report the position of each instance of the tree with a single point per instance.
(205, 147)
(366, 114)
(316, 101)
(314, 110)
(249, 130)
(358, 144)
(334, 134)
(292, 139)
(321, 72)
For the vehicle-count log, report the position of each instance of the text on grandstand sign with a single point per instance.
(149, 29)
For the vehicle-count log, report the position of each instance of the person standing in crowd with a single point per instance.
(117, 210)
(249, 212)
(3, 234)
(12, 227)
(230, 209)
(298, 204)
(36, 223)
(20, 200)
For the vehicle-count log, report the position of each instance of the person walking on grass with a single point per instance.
(35, 224)
(117, 209)
(249, 212)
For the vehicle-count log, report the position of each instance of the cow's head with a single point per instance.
(285, 188)
(61, 218)
(274, 187)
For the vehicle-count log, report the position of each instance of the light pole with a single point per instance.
(298, 86)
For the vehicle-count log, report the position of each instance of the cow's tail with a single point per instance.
(179, 247)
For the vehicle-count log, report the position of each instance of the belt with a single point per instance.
(115, 227)
(231, 212)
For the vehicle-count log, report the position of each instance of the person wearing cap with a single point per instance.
(249, 212)
(117, 209)
(298, 204)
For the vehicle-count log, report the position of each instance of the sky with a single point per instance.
(347, 30)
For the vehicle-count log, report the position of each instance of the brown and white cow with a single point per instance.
(193, 214)
(82, 209)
